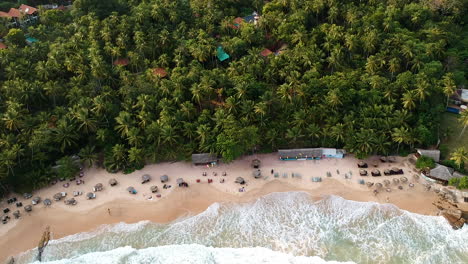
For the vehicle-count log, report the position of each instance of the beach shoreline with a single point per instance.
(115, 204)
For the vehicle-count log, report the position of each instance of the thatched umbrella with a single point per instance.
(396, 181)
(362, 164)
(378, 185)
(98, 187)
(145, 178)
(70, 201)
(403, 179)
(411, 185)
(400, 187)
(90, 195)
(257, 174)
(375, 172)
(363, 172)
(47, 202)
(131, 190)
(16, 214)
(370, 184)
(396, 170)
(387, 182)
(113, 182)
(36, 200)
(27, 195)
(154, 189)
(180, 181)
(415, 176)
(164, 178)
(256, 163)
(391, 159)
(387, 172)
(57, 196)
(383, 159)
(240, 180)
(388, 190)
(28, 208)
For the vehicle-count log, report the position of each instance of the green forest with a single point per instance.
(369, 76)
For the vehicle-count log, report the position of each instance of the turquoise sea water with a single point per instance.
(277, 228)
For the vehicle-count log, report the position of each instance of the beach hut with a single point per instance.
(256, 163)
(57, 196)
(17, 214)
(71, 201)
(145, 178)
(36, 200)
(113, 182)
(204, 159)
(240, 180)
(363, 172)
(362, 164)
(404, 179)
(47, 202)
(98, 187)
(430, 153)
(375, 173)
(396, 171)
(90, 195)
(370, 184)
(164, 178)
(27, 195)
(28, 208)
(396, 181)
(154, 189)
(131, 190)
(300, 154)
(387, 182)
(378, 185)
(257, 174)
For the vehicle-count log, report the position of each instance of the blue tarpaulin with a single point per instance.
(221, 54)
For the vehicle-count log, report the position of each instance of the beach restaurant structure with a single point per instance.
(310, 153)
(443, 174)
(204, 159)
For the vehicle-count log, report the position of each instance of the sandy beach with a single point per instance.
(22, 234)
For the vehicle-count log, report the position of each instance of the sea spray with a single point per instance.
(288, 223)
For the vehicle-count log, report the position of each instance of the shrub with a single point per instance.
(463, 184)
(425, 162)
(454, 182)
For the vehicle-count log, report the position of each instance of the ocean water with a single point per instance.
(277, 228)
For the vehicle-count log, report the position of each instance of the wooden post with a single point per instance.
(43, 243)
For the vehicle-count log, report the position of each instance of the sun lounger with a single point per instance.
(316, 179)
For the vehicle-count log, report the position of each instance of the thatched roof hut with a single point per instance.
(403, 179)
(396, 181)
(90, 195)
(57, 196)
(145, 178)
(387, 182)
(164, 178)
(36, 200)
(154, 189)
(47, 202)
(28, 208)
(430, 153)
(441, 173)
(204, 159)
(362, 164)
(369, 184)
(375, 172)
(240, 180)
(300, 153)
(378, 185)
(98, 187)
(71, 201)
(363, 172)
(257, 174)
(256, 163)
(131, 190)
(113, 182)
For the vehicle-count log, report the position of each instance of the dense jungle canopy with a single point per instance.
(369, 76)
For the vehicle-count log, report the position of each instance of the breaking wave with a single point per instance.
(277, 228)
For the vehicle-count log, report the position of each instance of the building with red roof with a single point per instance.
(121, 62)
(160, 72)
(29, 10)
(266, 52)
(2, 46)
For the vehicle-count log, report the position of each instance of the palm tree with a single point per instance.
(65, 134)
(449, 86)
(86, 123)
(408, 100)
(460, 157)
(463, 119)
(400, 135)
(88, 155)
(124, 123)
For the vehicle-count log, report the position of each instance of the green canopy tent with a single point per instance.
(221, 54)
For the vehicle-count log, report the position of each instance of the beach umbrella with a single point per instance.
(164, 178)
(391, 159)
(378, 185)
(257, 173)
(362, 164)
(113, 182)
(240, 180)
(375, 172)
(370, 184)
(411, 185)
(387, 182)
(71, 201)
(387, 172)
(180, 181)
(256, 163)
(131, 190)
(403, 179)
(383, 159)
(98, 187)
(90, 195)
(145, 178)
(16, 214)
(400, 187)
(28, 208)
(36, 200)
(57, 196)
(415, 176)
(154, 189)
(27, 195)
(363, 172)
(396, 181)
(47, 202)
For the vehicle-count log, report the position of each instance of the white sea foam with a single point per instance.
(179, 254)
(286, 223)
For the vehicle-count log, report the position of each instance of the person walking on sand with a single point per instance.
(108, 211)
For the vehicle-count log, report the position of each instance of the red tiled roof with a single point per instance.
(238, 20)
(266, 52)
(122, 62)
(4, 14)
(2, 46)
(14, 12)
(61, 8)
(27, 9)
(160, 72)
